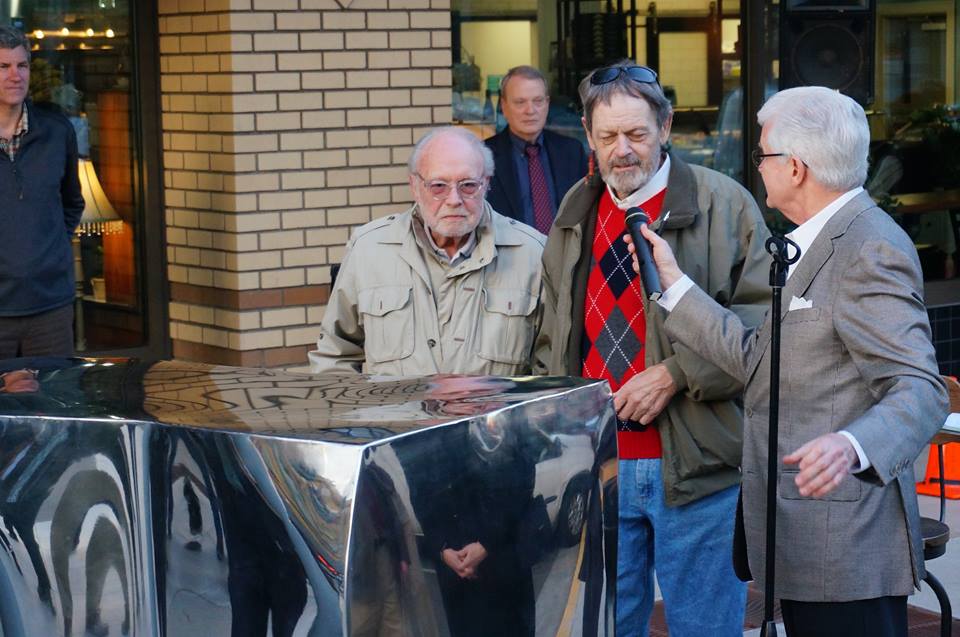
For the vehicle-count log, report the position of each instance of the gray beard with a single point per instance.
(625, 184)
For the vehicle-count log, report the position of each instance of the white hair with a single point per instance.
(824, 129)
(456, 131)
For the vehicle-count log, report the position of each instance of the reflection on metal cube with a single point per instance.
(173, 498)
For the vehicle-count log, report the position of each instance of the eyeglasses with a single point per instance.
(440, 190)
(757, 156)
(641, 74)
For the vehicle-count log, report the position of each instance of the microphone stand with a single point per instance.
(778, 249)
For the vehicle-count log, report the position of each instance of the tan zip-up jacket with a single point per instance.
(718, 236)
(382, 317)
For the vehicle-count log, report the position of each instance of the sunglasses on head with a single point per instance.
(641, 74)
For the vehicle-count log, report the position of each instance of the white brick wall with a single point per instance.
(285, 123)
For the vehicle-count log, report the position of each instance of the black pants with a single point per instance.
(878, 617)
(45, 334)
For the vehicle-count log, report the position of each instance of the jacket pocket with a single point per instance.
(802, 316)
(506, 325)
(849, 490)
(387, 322)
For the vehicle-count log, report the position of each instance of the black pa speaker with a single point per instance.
(828, 43)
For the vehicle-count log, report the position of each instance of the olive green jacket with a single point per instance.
(718, 236)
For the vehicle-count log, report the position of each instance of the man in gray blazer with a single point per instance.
(860, 391)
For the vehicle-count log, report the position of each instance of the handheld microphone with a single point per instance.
(648, 270)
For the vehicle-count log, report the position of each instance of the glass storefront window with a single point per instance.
(83, 61)
(693, 44)
(915, 125)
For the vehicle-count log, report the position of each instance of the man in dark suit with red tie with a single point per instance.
(534, 167)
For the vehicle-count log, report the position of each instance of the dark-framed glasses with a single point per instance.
(440, 190)
(758, 156)
(641, 74)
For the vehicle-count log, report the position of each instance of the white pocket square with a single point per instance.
(799, 303)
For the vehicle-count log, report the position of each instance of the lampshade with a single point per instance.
(99, 217)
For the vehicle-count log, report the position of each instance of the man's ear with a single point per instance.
(586, 129)
(665, 129)
(799, 171)
(413, 187)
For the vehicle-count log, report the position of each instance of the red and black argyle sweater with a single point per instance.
(614, 325)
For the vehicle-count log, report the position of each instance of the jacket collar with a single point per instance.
(819, 252)
(401, 229)
(491, 235)
(33, 119)
(681, 198)
(822, 247)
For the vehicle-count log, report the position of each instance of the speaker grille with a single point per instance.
(828, 48)
(828, 55)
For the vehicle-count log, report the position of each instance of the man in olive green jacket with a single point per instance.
(448, 287)
(703, 424)
(680, 427)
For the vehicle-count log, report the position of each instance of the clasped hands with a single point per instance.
(825, 461)
(464, 562)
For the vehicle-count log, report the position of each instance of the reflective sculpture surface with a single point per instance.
(181, 499)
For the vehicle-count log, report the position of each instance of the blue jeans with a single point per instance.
(689, 547)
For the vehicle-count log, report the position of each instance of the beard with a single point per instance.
(626, 183)
(447, 222)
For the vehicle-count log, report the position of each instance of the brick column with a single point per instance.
(286, 123)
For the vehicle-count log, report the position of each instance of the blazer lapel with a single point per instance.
(506, 173)
(558, 165)
(813, 261)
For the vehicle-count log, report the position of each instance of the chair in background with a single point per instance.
(936, 533)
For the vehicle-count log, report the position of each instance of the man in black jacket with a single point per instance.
(40, 207)
(534, 167)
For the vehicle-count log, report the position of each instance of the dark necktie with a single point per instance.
(539, 194)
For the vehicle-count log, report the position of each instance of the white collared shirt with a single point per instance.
(646, 192)
(805, 234)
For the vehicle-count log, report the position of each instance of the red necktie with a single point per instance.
(542, 208)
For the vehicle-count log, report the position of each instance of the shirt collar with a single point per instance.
(23, 124)
(520, 144)
(657, 183)
(805, 234)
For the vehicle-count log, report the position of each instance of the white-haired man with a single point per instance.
(449, 286)
(860, 391)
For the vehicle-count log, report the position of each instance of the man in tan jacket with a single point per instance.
(449, 286)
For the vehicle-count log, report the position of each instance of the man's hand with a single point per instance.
(454, 559)
(20, 381)
(663, 257)
(824, 463)
(465, 561)
(644, 396)
(473, 554)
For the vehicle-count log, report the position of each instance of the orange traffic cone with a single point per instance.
(951, 473)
